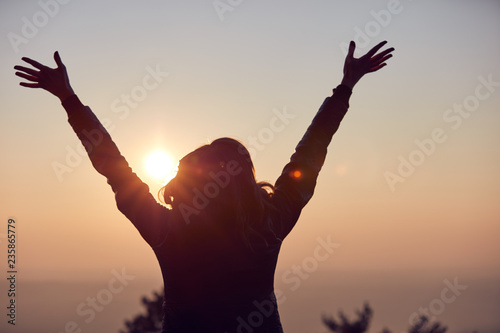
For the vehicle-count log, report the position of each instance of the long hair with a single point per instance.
(216, 183)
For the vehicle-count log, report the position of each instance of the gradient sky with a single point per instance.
(228, 74)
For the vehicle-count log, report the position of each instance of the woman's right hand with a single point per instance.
(54, 80)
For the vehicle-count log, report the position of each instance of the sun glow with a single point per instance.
(161, 166)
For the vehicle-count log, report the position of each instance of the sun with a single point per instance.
(160, 166)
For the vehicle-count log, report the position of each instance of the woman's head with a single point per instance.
(217, 182)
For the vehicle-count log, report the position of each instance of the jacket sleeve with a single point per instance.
(295, 186)
(132, 195)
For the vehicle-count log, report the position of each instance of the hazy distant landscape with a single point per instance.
(46, 306)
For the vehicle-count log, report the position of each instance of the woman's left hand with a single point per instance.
(356, 68)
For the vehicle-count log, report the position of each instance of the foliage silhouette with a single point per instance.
(361, 324)
(424, 326)
(151, 321)
(345, 326)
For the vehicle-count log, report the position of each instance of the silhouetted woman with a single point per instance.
(218, 240)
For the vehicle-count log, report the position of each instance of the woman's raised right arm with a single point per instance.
(132, 195)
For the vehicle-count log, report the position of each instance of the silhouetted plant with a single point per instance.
(360, 325)
(149, 322)
(345, 326)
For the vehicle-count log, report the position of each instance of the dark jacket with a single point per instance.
(213, 282)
